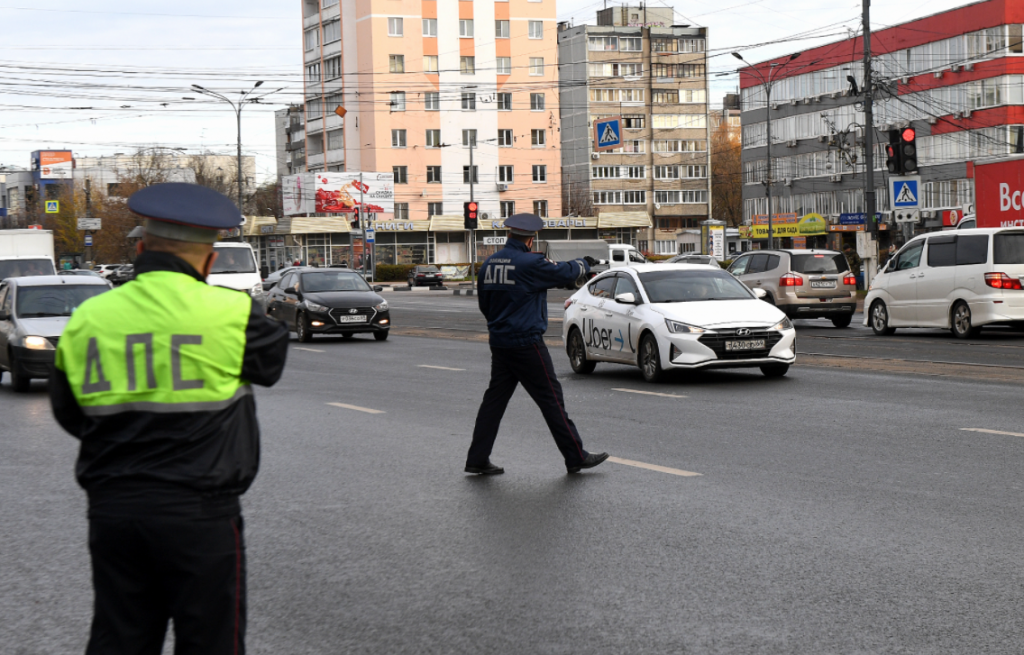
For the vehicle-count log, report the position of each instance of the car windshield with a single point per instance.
(25, 268)
(696, 285)
(234, 260)
(59, 300)
(818, 264)
(333, 281)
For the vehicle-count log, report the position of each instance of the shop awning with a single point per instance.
(447, 223)
(313, 225)
(608, 220)
(257, 225)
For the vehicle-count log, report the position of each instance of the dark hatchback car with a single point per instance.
(425, 275)
(329, 301)
(33, 314)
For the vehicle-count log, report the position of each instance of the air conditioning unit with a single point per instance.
(958, 114)
(775, 105)
(834, 94)
(844, 92)
(822, 138)
(905, 80)
(502, 187)
(485, 216)
(937, 75)
(791, 144)
(807, 101)
(793, 101)
(956, 68)
(932, 120)
(595, 155)
(838, 177)
(967, 113)
(817, 98)
(788, 181)
(968, 67)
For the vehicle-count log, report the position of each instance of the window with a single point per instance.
(634, 197)
(401, 211)
(397, 138)
(312, 38)
(635, 172)
(663, 45)
(429, 63)
(603, 43)
(398, 101)
(536, 65)
(693, 197)
(433, 174)
(604, 287)
(666, 173)
(537, 138)
(680, 145)
(615, 70)
(501, 29)
(430, 27)
(503, 66)
(432, 101)
(332, 68)
(435, 209)
(505, 174)
(465, 175)
(508, 208)
(332, 31)
(631, 44)
(691, 45)
(336, 139)
(537, 101)
(604, 172)
(670, 121)
(396, 63)
(633, 121)
(467, 65)
(696, 172)
(469, 138)
(313, 73)
(971, 250)
(314, 109)
(536, 29)
(332, 101)
(401, 174)
(616, 95)
(433, 138)
(634, 147)
(504, 102)
(942, 251)
(395, 26)
(667, 197)
(505, 138)
(692, 96)
(316, 145)
(330, 3)
(466, 28)
(665, 96)
(540, 208)
(607, 197)
(468, 101)
(540, 173)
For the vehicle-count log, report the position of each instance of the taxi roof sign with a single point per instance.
(608, 133)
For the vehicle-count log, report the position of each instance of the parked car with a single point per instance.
(33, 313)
(961, 280)
(275, 277)
(80, 271)
(690, 258)
(329, 301)
(124, 273)
(425, 275)
(104, 270)
(802, 283)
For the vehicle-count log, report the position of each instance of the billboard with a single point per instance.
(55, 165)
(998, 189)
(785, 225)
(338, 193)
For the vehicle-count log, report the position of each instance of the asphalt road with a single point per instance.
(835, 511)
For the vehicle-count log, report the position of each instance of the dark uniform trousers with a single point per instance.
(530, 366)
(149, 570)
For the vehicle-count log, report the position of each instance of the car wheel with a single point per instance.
(880, 319)
(650, 359)
(962, 328)
(302, 328)
(19, 383)
(577, 351)
(842, 321)
(775, 370)
(381, 336)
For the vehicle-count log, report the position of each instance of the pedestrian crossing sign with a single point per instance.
(52, 206)
(608, 133)
(904, 192)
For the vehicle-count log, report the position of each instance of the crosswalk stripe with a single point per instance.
(653, 467)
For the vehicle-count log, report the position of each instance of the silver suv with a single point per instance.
(802, 283)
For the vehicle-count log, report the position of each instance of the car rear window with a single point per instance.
(971, 249)
(234, 260)
(941, 251)
(1009, 248)
(817, 264)
(25, 268)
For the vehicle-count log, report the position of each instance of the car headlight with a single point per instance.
(682, 328)
(784, 324)
(382, 307)
(313, 307)
(37, 343)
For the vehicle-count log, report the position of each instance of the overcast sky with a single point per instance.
(125, 66)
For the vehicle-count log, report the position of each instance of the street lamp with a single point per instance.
(767, 84)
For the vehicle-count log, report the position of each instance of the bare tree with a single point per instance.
(576, 197)
(726, 176)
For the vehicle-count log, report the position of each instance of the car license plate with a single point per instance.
(823, 284)
(352, 319)
(746, 344)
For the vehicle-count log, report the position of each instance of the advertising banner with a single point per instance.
(997, 191)
(338, 193)
(55, 165)
(785, 225)
(713, 240)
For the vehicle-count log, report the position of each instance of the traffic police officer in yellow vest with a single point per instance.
(154, 379)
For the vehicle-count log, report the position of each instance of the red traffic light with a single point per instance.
(890, 151)
(908, 135)
(472, 206)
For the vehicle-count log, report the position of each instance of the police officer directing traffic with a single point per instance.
(154, 379)
(513, 297)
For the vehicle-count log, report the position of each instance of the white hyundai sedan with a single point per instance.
(675, 316)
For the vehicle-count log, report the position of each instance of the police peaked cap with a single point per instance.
(525, 225)
(185, 212)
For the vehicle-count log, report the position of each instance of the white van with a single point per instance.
(236, 268)
(960, 280)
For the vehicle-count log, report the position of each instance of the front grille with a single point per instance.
(716, 342)
(365, 311)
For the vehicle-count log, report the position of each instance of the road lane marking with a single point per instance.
(441, 368)
(357, 408)
(309, 350)
(650, 393)
(654, 467)
(1008, 434)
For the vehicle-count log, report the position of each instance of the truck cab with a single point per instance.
(620, 254)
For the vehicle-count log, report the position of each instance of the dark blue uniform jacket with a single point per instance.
(513, 293)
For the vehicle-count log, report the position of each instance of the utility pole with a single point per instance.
(88, 214)
(869, 148)
(472, 233)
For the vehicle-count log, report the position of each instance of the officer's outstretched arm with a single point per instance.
(549, 274)
(266, 348)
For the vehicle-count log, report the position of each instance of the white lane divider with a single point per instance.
(1008, 434)
(441, 368)
(654, 467)
(309, 350)
(357, 408)
(650, 393)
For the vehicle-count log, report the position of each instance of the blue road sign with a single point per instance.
(88, 241)
(905, 191)
(52, 206)
(608, 133)
(369, 236)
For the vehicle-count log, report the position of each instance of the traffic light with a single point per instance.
(469, 214)
(908, 151)
(892, 152)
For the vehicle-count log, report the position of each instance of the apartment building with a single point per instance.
(637, 64)
(954, 76)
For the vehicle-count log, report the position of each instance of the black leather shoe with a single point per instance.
(486, 469)
(592, 460)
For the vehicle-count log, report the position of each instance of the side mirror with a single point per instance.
(761, 294)
(378, 288)
(626, 298)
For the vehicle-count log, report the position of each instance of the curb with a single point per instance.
(459, 292)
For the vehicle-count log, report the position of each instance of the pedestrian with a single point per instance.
(154, 380)
(513, 298)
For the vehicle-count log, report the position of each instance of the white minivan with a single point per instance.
(236, 268)
(960, 280)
